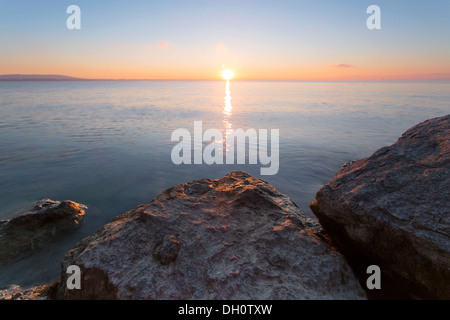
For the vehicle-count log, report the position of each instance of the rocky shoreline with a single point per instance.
(238, 237)
(43, 224)
(392, 209)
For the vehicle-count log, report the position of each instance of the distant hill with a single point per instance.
(37, 77)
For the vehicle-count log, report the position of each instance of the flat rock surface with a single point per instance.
(38, 227)
(393, 209)
(232, 238)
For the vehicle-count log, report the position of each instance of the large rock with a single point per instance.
(232, 238)
(392, 209)
(37, 228)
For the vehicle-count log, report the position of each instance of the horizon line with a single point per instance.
(204, 80)
(59, 77)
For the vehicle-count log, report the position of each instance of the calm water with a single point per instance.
(107, 144)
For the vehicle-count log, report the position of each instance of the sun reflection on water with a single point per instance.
(228, 107)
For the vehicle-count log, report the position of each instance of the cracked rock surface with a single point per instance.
(236, 237)
(392, 209)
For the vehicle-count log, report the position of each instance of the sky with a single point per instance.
(196, 40)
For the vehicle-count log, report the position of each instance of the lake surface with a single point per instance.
(108, 144)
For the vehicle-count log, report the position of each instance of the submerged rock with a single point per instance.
(392, 209)
(232, 238)
(38, 227)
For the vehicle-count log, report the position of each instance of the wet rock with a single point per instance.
(232, 238)
(392, 209)
(37, 228)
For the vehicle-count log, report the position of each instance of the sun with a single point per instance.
(227, 74)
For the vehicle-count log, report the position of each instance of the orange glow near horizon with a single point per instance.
(113, 69)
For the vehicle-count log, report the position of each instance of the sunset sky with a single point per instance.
(259, 40)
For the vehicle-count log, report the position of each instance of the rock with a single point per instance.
(232, 238)
(38, 227)
(43, 292)
(392, 209)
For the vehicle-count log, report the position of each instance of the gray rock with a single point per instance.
(392, 209)
(232, 238)
(37, 228)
